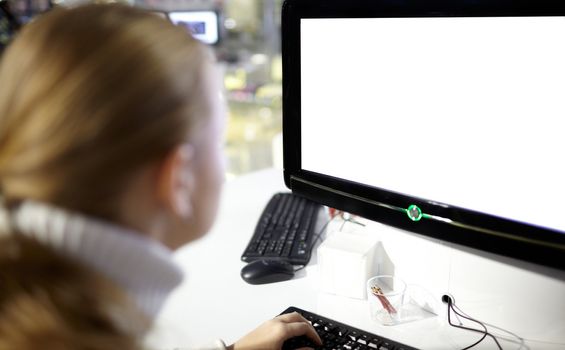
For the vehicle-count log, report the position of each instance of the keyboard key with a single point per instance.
(353, 335)
(340, 331)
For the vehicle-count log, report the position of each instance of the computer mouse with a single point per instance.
(267, 271)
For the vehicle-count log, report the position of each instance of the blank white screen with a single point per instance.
(464, 111)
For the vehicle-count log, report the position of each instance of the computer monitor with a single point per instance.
(203, 25)
(443, 118)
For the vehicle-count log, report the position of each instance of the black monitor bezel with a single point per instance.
(477, 230)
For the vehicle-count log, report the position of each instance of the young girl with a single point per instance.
(110, 135)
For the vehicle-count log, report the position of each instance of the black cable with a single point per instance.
(521, 341)
(485, 328)
(450, 307)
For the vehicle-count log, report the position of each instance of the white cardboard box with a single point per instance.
(346, 261)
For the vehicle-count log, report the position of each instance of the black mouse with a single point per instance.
(267, 271)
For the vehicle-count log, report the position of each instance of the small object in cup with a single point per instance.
(386, 297)
(378, 292)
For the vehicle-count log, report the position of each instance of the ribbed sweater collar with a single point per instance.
(143, 267)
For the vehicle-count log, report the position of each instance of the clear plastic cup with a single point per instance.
(386, 296)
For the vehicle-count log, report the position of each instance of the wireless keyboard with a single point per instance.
(284, 231)
(338, 336)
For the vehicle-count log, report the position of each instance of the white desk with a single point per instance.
(214, 302)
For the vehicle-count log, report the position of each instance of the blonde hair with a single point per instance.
(51, 302)
(90, 95)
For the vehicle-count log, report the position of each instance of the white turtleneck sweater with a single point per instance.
(143, 267)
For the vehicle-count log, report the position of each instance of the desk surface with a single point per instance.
(214, 302)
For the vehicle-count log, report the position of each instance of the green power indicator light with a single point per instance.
(414, 213)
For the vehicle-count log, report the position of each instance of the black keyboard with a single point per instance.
(338, 336)
(284, 231)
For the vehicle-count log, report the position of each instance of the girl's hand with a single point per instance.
(272, 334)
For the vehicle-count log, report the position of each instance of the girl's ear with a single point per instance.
(175, 181)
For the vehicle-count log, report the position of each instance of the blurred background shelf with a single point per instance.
(248, 55)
